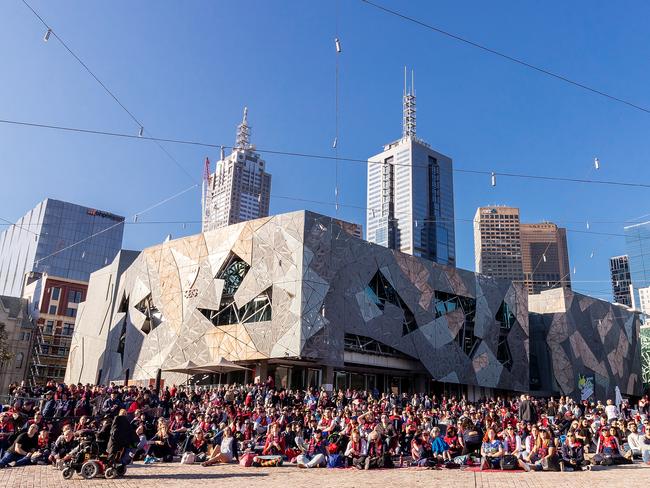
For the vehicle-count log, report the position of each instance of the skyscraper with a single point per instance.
(240, 188)
(544, 257)
(619, 267)
(506, 248)
(411, 195)
(637, 242)
(497, 242)
(42, 241)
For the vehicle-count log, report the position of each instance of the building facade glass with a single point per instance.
(637, 242)
(411, 201)
(45, 240)
(619, 267)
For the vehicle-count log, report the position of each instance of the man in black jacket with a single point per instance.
(527, 411)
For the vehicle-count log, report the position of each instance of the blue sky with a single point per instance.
(186, 69)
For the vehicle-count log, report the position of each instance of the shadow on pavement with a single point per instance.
(197, 476)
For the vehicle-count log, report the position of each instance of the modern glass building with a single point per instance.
(619, 267)
(637, 242)
(42, 241)
(411, 196)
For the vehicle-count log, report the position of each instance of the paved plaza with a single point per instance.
(177, 475)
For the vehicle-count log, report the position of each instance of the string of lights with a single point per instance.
(141, 130)
(325, 157)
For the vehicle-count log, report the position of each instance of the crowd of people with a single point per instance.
(261, 425)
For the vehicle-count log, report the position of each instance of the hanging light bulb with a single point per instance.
(335, 143)
(337, 43)
(596, 163)
(141, 131)
(494, 178)
(47, 35)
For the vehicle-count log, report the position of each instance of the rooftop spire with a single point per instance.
(243, 133)
(408, 101)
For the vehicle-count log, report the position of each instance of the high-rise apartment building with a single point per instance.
(58, 238)
(240, 188)
(544, 257)
(497, 242)
(644, 301)
(619, 267)
(504, 247)
(411, 196)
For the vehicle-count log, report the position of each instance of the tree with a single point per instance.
(5, 352)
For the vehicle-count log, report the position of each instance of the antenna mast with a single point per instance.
(408, 112)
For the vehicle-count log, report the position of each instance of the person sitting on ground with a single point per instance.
(7, 432)
(356, 448)
(451, 438)
(315, 454)
(491, 451)
(274, 444)
(23, 448)
(225, 452)
(161, 446)
(439, 447)
(472, 437)
(573, 456)
(512, 447)
(546, 457)
(62, 447)
(377, 457)
(610, 449)
(634, 440)
(198, 446)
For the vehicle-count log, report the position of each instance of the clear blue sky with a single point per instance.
(187, 68)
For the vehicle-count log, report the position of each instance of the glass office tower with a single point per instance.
(45, 240)
(411, 196)
(637, 242)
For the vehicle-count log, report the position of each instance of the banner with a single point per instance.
(586, 386)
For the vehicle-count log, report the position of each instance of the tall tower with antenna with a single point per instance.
(240, 188)
(410, 193)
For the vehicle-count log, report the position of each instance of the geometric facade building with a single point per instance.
(296, 297)
(410, 195)
(94, 320)
(58, 238)
(296, 292)
(240, 188)
(619, 267)
(585, 339)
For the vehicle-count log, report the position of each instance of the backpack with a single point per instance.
(335, 461)
(246, 459)
(509, 462)
(188, 458)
